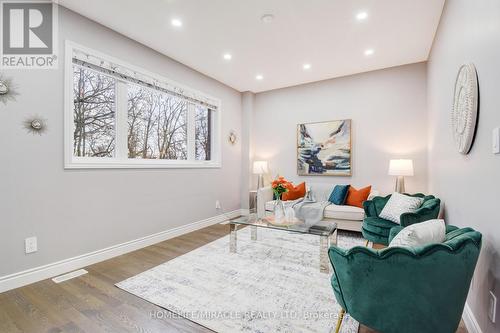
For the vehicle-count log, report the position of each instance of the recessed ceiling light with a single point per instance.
(306, 66)
(361, 16)
(267, 18)
(227, 56)
(176, 23)
(369, 52)
(259, 77)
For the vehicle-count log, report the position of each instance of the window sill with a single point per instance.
(139, 164)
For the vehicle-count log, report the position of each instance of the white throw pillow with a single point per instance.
(428, 232)
(399, 204)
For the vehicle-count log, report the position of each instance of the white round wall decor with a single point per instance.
(465, 108)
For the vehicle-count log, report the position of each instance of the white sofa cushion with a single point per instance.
(322, 191)
(418, 234)
(334, 212)
(344, 212)
(319, 191)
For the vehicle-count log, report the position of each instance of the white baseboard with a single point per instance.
(470, 321)
(36, 274)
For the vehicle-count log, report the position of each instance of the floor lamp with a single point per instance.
(400, 168)
(259, 168)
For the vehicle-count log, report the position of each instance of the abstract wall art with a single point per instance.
(324, 148)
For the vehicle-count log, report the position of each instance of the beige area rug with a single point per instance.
(271, 285)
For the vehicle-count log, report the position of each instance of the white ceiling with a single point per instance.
(324, 33)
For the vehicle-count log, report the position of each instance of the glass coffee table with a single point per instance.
(327, 232)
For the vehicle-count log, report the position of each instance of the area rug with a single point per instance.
(270, 285)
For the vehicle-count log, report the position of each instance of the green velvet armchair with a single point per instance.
(376, 229)
(411, 290)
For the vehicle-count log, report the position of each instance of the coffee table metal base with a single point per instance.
(253, 231)
(324, 244)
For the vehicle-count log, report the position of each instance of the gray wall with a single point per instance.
(247, 106)
(469, 32)
(389, 119)
(77, 211)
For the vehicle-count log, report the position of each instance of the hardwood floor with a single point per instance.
(91, 303)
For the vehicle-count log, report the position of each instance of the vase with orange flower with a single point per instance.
(279, 186)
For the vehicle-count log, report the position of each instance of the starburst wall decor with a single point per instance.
(7, 90)
(35, 125)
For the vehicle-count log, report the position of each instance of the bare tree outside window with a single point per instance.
(93, 113)
(120, 120)
(203, 133)
(157, 125)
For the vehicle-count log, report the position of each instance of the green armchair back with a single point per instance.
(411, 290)
(377, 229)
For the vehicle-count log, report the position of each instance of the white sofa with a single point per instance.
(346, 217)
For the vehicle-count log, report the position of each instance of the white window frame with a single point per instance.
(121, 160)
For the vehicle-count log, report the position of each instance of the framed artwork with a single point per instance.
(324, 148)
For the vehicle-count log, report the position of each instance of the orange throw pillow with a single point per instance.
(294, 192)
(357, 197)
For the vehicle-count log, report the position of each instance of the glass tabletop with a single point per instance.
(322, 228)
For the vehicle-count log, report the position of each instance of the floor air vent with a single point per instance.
(69, 276)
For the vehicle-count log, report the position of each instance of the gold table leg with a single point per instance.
(339, 320)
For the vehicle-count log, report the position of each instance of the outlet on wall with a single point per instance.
(217, 204)
(30, 245)
(492, 309)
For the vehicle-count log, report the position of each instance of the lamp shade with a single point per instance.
(401, 168)
(260, 167)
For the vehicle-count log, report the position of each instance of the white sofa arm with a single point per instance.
(373, 194)
(264, 195)
(441, 211)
